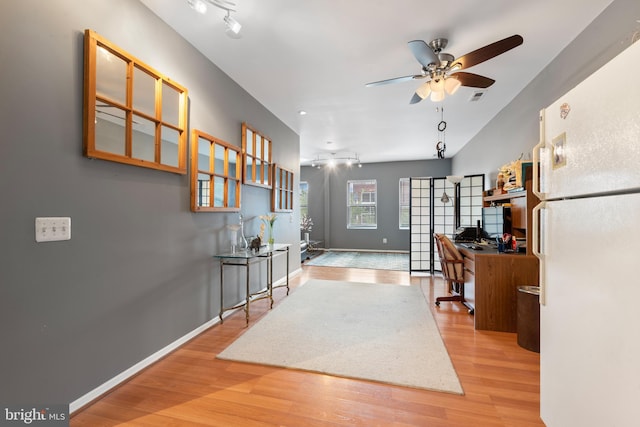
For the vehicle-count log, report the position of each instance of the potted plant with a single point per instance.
(306, 224)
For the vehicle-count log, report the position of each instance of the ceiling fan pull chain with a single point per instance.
(441, 147)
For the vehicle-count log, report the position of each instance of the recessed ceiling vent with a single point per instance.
(477, 95)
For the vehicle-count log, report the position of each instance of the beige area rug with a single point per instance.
(367, 331)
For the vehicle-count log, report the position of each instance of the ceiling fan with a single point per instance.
(444, 70)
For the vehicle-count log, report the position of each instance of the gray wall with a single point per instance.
(515, 130)
(328, 202)
(138, 272)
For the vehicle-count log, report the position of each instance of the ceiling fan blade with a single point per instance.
(485, 53)
(423, 53)
(473, 80)
(415, 99)
(395, 80)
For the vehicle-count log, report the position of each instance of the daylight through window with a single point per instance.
(362, 204)
(403, 202)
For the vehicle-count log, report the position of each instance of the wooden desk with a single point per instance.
(491, 281)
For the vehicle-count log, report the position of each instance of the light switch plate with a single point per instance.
(52, 229)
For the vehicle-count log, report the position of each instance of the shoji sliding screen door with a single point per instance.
(443, 214)
(437, 206)
(421, 245)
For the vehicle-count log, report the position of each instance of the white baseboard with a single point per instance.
(420, 273)
(128, 373)
(125, 375)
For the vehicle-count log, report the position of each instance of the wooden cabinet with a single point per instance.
(491, 285)
(522, 204)
(519, 212)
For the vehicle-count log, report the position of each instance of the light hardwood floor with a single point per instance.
(191, 387)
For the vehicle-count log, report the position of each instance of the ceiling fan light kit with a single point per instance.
(437, 88)
(437, 96)
(451, 85)
(444, 70)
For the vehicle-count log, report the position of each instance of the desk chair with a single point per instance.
(452, 266)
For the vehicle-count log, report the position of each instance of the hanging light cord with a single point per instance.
(441, 147)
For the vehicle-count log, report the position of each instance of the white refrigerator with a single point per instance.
(587, 236)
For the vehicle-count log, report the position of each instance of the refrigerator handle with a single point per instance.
(536, 160)
(537, 251)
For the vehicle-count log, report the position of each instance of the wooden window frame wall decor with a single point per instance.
(282, 191)
(256, 157)
(228, 176)
(133, 114)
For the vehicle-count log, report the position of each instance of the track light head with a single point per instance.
(233, 26)
(198, 5)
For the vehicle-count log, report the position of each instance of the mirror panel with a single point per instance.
(123, 112)
(250, 143)
(233, 165)
(249, 167)
(170, 104)
(218, 192)
(233, 192)
(143, 140)
(111, 76)
(109, 129)
(203, 190)
(257, 176)
(144, 92)
(204, 151)
(170, 142)
(218, 167)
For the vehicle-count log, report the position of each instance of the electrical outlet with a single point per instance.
(53, 229)
(384, 240)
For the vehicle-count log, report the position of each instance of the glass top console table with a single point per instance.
(245, 259)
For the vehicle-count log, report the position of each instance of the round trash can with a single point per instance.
(528, 319)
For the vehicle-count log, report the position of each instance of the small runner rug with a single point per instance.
(373, 260)
(376, 332)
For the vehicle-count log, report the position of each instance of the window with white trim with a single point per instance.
(362, 198)
(304, 198)
(403, 204)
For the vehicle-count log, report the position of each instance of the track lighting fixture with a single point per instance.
(333, 159)
(233, 26)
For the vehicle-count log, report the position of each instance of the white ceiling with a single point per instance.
(317, 55)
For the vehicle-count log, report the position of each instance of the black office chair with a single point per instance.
(452, 265)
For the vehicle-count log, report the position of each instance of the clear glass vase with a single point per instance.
(271, 239)
(243, 245)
